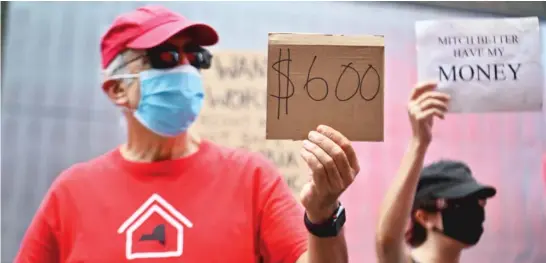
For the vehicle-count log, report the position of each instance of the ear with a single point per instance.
(423, 218)
(116, 92)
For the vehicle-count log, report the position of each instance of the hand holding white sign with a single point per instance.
(425, 104)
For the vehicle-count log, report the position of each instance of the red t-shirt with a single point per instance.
(218, 205)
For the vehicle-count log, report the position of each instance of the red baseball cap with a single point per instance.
(148, 27)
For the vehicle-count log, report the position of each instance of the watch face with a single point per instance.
(339, 212)
(339, 221)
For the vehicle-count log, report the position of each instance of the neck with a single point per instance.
(436, 251)
(145, 146)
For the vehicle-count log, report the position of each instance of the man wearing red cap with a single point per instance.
(168, 196)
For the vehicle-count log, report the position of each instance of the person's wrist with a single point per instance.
(419, 145)
(319, 216)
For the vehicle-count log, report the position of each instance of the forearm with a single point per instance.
(327, 250)
(398, 201)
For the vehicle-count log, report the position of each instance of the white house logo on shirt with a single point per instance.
(159, 245)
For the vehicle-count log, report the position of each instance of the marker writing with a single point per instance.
(316, 93)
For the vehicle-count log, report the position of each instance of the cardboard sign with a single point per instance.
(325, 79)
(234, 112)
(484, 64)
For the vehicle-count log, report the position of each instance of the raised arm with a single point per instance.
(334, 165)
(284, 235)
(424, 104)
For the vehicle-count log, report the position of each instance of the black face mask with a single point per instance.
(463, 222)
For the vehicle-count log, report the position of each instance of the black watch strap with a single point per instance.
(329, 228)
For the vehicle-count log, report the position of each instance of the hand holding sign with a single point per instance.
(425, 104)
(325, 79)
(334, 166)
(484, 64)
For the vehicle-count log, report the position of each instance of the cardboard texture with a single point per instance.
(335, 80)
(234, 112)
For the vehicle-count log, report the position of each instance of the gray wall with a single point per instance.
(508, 8)
(54, 113)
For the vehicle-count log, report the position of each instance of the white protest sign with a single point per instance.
(485, 65)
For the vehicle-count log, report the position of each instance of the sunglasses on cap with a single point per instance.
(168, 56)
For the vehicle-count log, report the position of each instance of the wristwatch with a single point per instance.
(331, 227)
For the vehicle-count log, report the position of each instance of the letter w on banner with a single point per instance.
(486, 65)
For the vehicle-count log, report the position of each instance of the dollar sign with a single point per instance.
(289, 92)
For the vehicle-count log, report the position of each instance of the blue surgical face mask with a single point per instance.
(170, 100)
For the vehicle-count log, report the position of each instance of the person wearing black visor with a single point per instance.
(443, 200)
